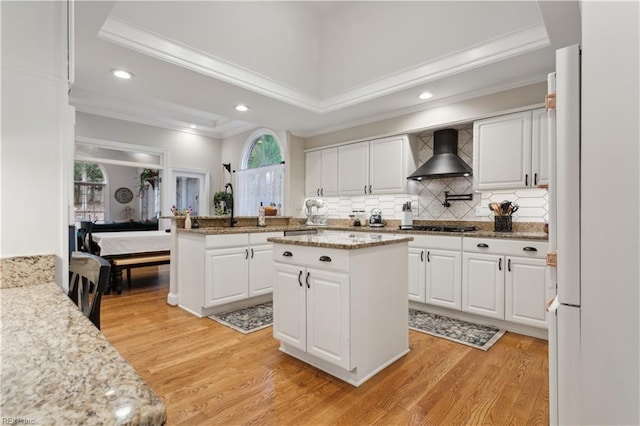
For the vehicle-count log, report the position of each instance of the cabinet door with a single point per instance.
(260, 269)
(289, 306)
(387, 174)
(313, 173)
(444, 278)
(483, 284)
(502, 152)
(539, 148)
(329, 180)
(328, 324)
(353, 169)
(416, 274)
(525, 291)
(226, 275)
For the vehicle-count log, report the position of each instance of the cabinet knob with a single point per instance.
(325, 259)
(483, 245)
(287, 254)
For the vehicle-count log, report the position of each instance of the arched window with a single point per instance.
(261, 179)
(89, 190)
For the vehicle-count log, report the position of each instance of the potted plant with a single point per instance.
(148, 175)
(221, 203)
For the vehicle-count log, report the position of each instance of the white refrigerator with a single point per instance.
(564, 238)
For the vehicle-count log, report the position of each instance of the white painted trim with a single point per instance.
(249, 143)
(141, 40)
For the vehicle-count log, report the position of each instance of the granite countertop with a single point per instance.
(57, 368)
(529, 235)
(342, 240)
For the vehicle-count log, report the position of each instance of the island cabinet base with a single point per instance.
(355, 377)
(342, 311)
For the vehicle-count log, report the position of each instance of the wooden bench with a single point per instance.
(120, 263)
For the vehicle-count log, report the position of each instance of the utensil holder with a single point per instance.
(503, 224)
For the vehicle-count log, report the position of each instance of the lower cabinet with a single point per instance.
(435, 271)
(215, 270)
(505, 279)
(311, 312)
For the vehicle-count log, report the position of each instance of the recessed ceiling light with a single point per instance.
(242, 108)
(425, 95)
(193, 126)
(126, 75)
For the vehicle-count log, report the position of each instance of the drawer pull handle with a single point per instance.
(428, 256)
(421, 255)
(500, 264)
(306, 280)
(252, 253)
(299, 280)
(509, 265)
(483, 245)
(325, 259)
(530, 249)
(287, 254)
(246, 253)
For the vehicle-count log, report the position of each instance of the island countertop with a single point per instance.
(342, 240)
(57, 368)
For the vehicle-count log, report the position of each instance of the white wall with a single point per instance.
(36, 130)
(610, 242)
(184, 150)
(454, 113)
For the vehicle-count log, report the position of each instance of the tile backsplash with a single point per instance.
(427, 196)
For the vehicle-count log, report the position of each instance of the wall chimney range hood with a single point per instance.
(445, 162)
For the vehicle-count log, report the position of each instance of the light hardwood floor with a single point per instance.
(208, 374)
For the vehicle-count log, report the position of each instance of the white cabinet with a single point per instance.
(327, 305)
(435, 270)
(510, 151)
(380, 166)
(525, 297)
(505, 279)
(216, 270)
(321, 173)
(483, 284)
(312, 312)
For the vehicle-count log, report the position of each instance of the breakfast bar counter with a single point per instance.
(57, 368)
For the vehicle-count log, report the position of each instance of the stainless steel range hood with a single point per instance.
(445, 161)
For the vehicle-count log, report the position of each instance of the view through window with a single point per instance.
(262, 179)
(89, 191)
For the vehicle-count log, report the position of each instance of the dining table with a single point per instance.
(130, 242)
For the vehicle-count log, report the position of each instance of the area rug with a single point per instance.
(249, 319)
(470, 334)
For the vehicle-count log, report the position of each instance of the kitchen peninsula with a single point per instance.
(340, 301)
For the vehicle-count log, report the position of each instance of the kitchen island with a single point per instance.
(340, 301)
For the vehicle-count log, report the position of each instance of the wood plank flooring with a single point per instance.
(208, 374)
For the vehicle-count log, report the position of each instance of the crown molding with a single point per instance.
(139, 39)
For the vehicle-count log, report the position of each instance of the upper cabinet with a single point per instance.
(510, 151)
(379, 166)
(321, 176)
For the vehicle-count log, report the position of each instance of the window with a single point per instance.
(262, 177)
(88, 192)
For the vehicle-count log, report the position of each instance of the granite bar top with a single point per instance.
(57, 368)
(342, 240)
(516, 235)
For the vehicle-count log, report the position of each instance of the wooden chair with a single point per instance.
(89, 277)
(86, 239)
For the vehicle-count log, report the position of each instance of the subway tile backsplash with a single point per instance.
(427, 196)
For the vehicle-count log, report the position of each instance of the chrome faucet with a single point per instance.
(232, 221)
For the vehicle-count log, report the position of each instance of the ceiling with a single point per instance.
(308, 67)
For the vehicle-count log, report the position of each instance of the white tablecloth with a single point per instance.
(113, 243)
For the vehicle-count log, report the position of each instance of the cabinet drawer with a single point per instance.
(258, 238)
(522, 248)
(441, 242)
(310, 256)
(229, 240)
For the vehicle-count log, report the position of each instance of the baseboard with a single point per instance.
(172, 299)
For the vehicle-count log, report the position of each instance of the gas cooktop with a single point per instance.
(438, 228)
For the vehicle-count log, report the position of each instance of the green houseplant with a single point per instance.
(221, 203)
